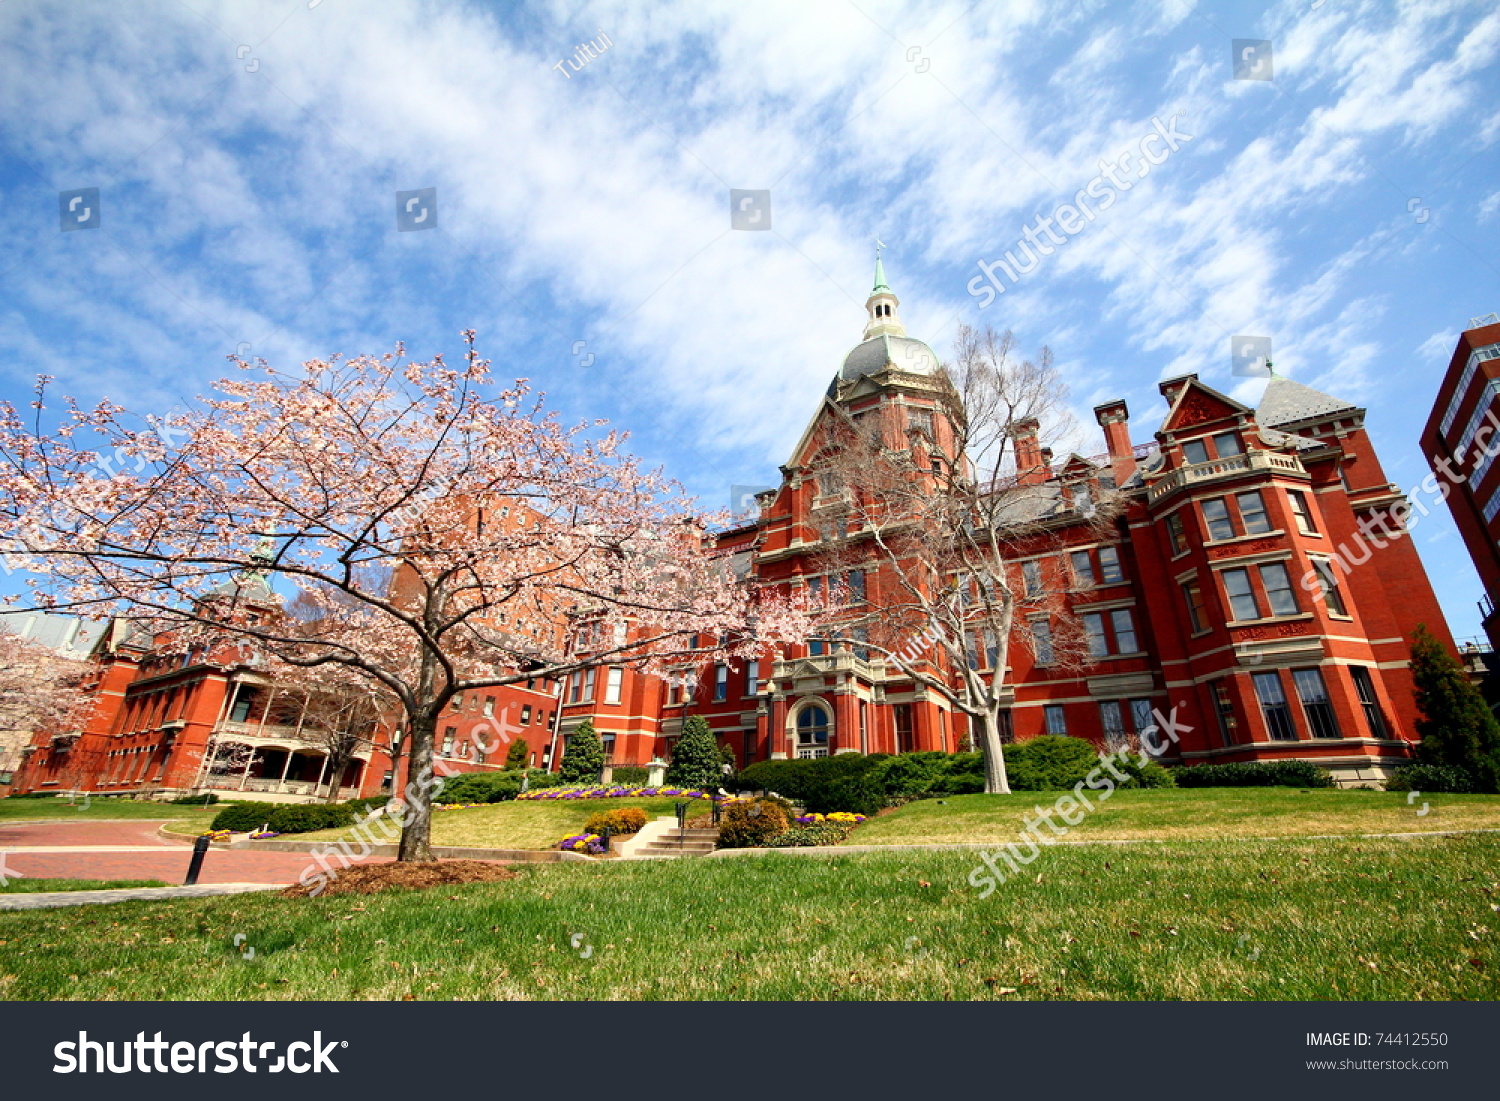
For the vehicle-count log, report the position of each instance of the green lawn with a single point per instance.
(1178, 813)
(1307, 919)
(13, 810)
(524, 824)
(40, 886)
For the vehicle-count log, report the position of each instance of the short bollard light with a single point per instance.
(604, 837)
(200, 847)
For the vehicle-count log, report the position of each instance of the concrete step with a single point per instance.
(651, 852)
(673, 846)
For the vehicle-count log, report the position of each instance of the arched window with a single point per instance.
(812, 732)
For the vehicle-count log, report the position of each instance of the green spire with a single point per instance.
(880, 283)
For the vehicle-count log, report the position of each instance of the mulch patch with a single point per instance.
(369, 879)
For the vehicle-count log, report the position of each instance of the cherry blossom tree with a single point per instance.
(40, 690)
(937, 520)
(440, 534)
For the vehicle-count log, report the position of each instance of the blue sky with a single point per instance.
(248, 156)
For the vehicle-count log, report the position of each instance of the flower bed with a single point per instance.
(582, 843)
(842, 817)
(610, 791)
(263, 835)
(218, 836)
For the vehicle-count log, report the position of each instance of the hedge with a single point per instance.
(1443, 779)
(283, 817)
(480, 787)
(1255, 774)
(628, 776)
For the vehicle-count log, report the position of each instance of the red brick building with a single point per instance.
(1459, 442)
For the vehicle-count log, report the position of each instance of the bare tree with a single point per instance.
(939, 519)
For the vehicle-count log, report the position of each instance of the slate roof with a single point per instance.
(903, 352)
(1287, 402)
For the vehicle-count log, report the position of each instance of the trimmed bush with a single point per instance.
(208, 799)
(806, 837)
(583, 760)
(628, 776)
(695, 758)
(541, 778)
(1255, 774)
(621, 820)
(1052, 762)
(752, 824)
(480, 787)
(362, 807)
(1149, 775)
(244, 817)
(1443, 779)
(306, 817)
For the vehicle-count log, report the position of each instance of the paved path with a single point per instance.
(132, 849)
(46, 900)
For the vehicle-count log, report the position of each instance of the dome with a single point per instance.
(903, 353)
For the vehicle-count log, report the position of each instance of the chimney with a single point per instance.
(1030, 467)
(1114, 418)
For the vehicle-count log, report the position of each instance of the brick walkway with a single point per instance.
(139, 853)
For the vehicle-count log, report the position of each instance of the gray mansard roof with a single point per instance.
(1289, 402)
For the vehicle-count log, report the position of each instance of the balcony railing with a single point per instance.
(254, 734)
(1234, 465)
(273, 787)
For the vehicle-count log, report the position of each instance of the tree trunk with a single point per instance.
(416, 826)
(995, 780)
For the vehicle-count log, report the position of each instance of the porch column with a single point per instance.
(245, 776)
(286, 766)
(323, 772)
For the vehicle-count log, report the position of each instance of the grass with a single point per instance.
(39, 886)
(19, 810)
(1305, 919)
(523, 824)
(1182, 814)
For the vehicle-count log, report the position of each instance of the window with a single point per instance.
(1253, 513)
(812, 732)
(1176, 534)
(752, 677)
(921, 419)
(1093, 629)
(1142, 718)
(526, 714)
(575, 679)
(857, 585)
(864, 726)
(1031, 572)
(1328, 582)
(1041, 640)
(1083, 567)
(721, 683)
(1224, 712)
(1273, 706)
(1242, 600)
(609, 747)
(1056, 718)
(489, 706)
(1302, 512)
(815, 590)
(1124, 624)
(1007, 727)
(1192, 593)
(815, 647)
(1278, 585)
(901, 717)
(1315, 703)
(862, 634)
(614, 681)
(1195, 451)
(449, 734)
(1113, 723)
(240, 712)
(1216, 515)
(542, 717)
(1492, 506)
(588, 684)
(1109, 566)
(1364, 687)
(1227, 444)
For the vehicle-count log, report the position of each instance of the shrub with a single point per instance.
(1444, 779)
(845, 781)
(362, 807)
(800, 837)
(584, 758)
(1255, 774)
(541, 778)
(621, 820)
(516, 755)
(1052, 762)
(695, 758)
(243, 817)
(1149, 775)
(480, 787)
(306, 817)
(965, 774)
(628, 776)
(751, 824)
(207, 799)
(912, 774)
